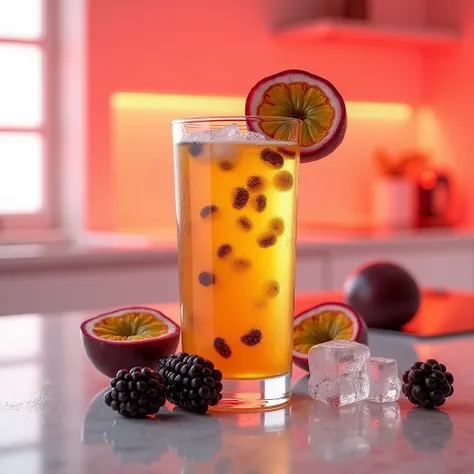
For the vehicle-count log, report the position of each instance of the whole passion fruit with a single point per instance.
(384, 294)
(128, 337)
(322, 323)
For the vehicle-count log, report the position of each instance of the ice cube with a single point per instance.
(229, 132)
(385, 421)
(198, 136)
(384, 382)
(337, 434)
(338, 373)
(254, 137)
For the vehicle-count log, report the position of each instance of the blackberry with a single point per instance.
(192, 382)
(136, 393)
(427, 384)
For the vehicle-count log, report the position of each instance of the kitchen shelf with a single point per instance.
(350, 30)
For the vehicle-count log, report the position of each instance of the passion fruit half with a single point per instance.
(322, 323)
(302, 95)
(128, 337)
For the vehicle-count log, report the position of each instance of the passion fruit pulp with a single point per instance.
(128, 337)
(322, 323)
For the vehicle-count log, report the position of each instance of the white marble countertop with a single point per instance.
(53, 420)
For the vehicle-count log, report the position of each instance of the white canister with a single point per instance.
(393, 203)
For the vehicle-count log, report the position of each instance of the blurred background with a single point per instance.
(87, 91)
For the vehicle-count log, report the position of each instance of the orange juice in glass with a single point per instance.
(236, 216)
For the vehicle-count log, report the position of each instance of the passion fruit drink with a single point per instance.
(236, 189)
(236, 220)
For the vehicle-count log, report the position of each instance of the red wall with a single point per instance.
(221, 47)
(450, 96)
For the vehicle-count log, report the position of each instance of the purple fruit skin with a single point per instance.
(109, 358)
(384, 294)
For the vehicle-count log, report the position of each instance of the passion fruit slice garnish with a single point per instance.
(129, 337)
(323, 323)
(302, 95)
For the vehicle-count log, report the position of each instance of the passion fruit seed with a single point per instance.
(277, 225)
(267, 240)
(240, 198)
(244, 223)
(241, 264)
(132, 326)
(286, 152)
(195, 149)
(222, 348)
(255, 183)
(208, 210)
(260, 203)
(224, 250)
(252, 338)
(272, 158)
(226, 165)
(261, 303)
(272, 288)
(206, 278)
(283, 181)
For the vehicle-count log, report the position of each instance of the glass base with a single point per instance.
(259, 394)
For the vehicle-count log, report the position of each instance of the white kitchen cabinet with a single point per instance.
(104, 278)
(76, 289)
(309, 272)
(446, 267)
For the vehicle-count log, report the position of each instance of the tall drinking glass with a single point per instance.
(236, 194)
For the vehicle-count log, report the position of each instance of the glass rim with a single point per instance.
(233, 118)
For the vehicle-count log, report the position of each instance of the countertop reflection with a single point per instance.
(53, 419)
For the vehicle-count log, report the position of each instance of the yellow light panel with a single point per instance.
(228, 105)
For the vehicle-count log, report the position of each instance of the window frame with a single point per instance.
(48, 217)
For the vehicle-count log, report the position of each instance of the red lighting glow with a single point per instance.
(428, 179)
(142, 184)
